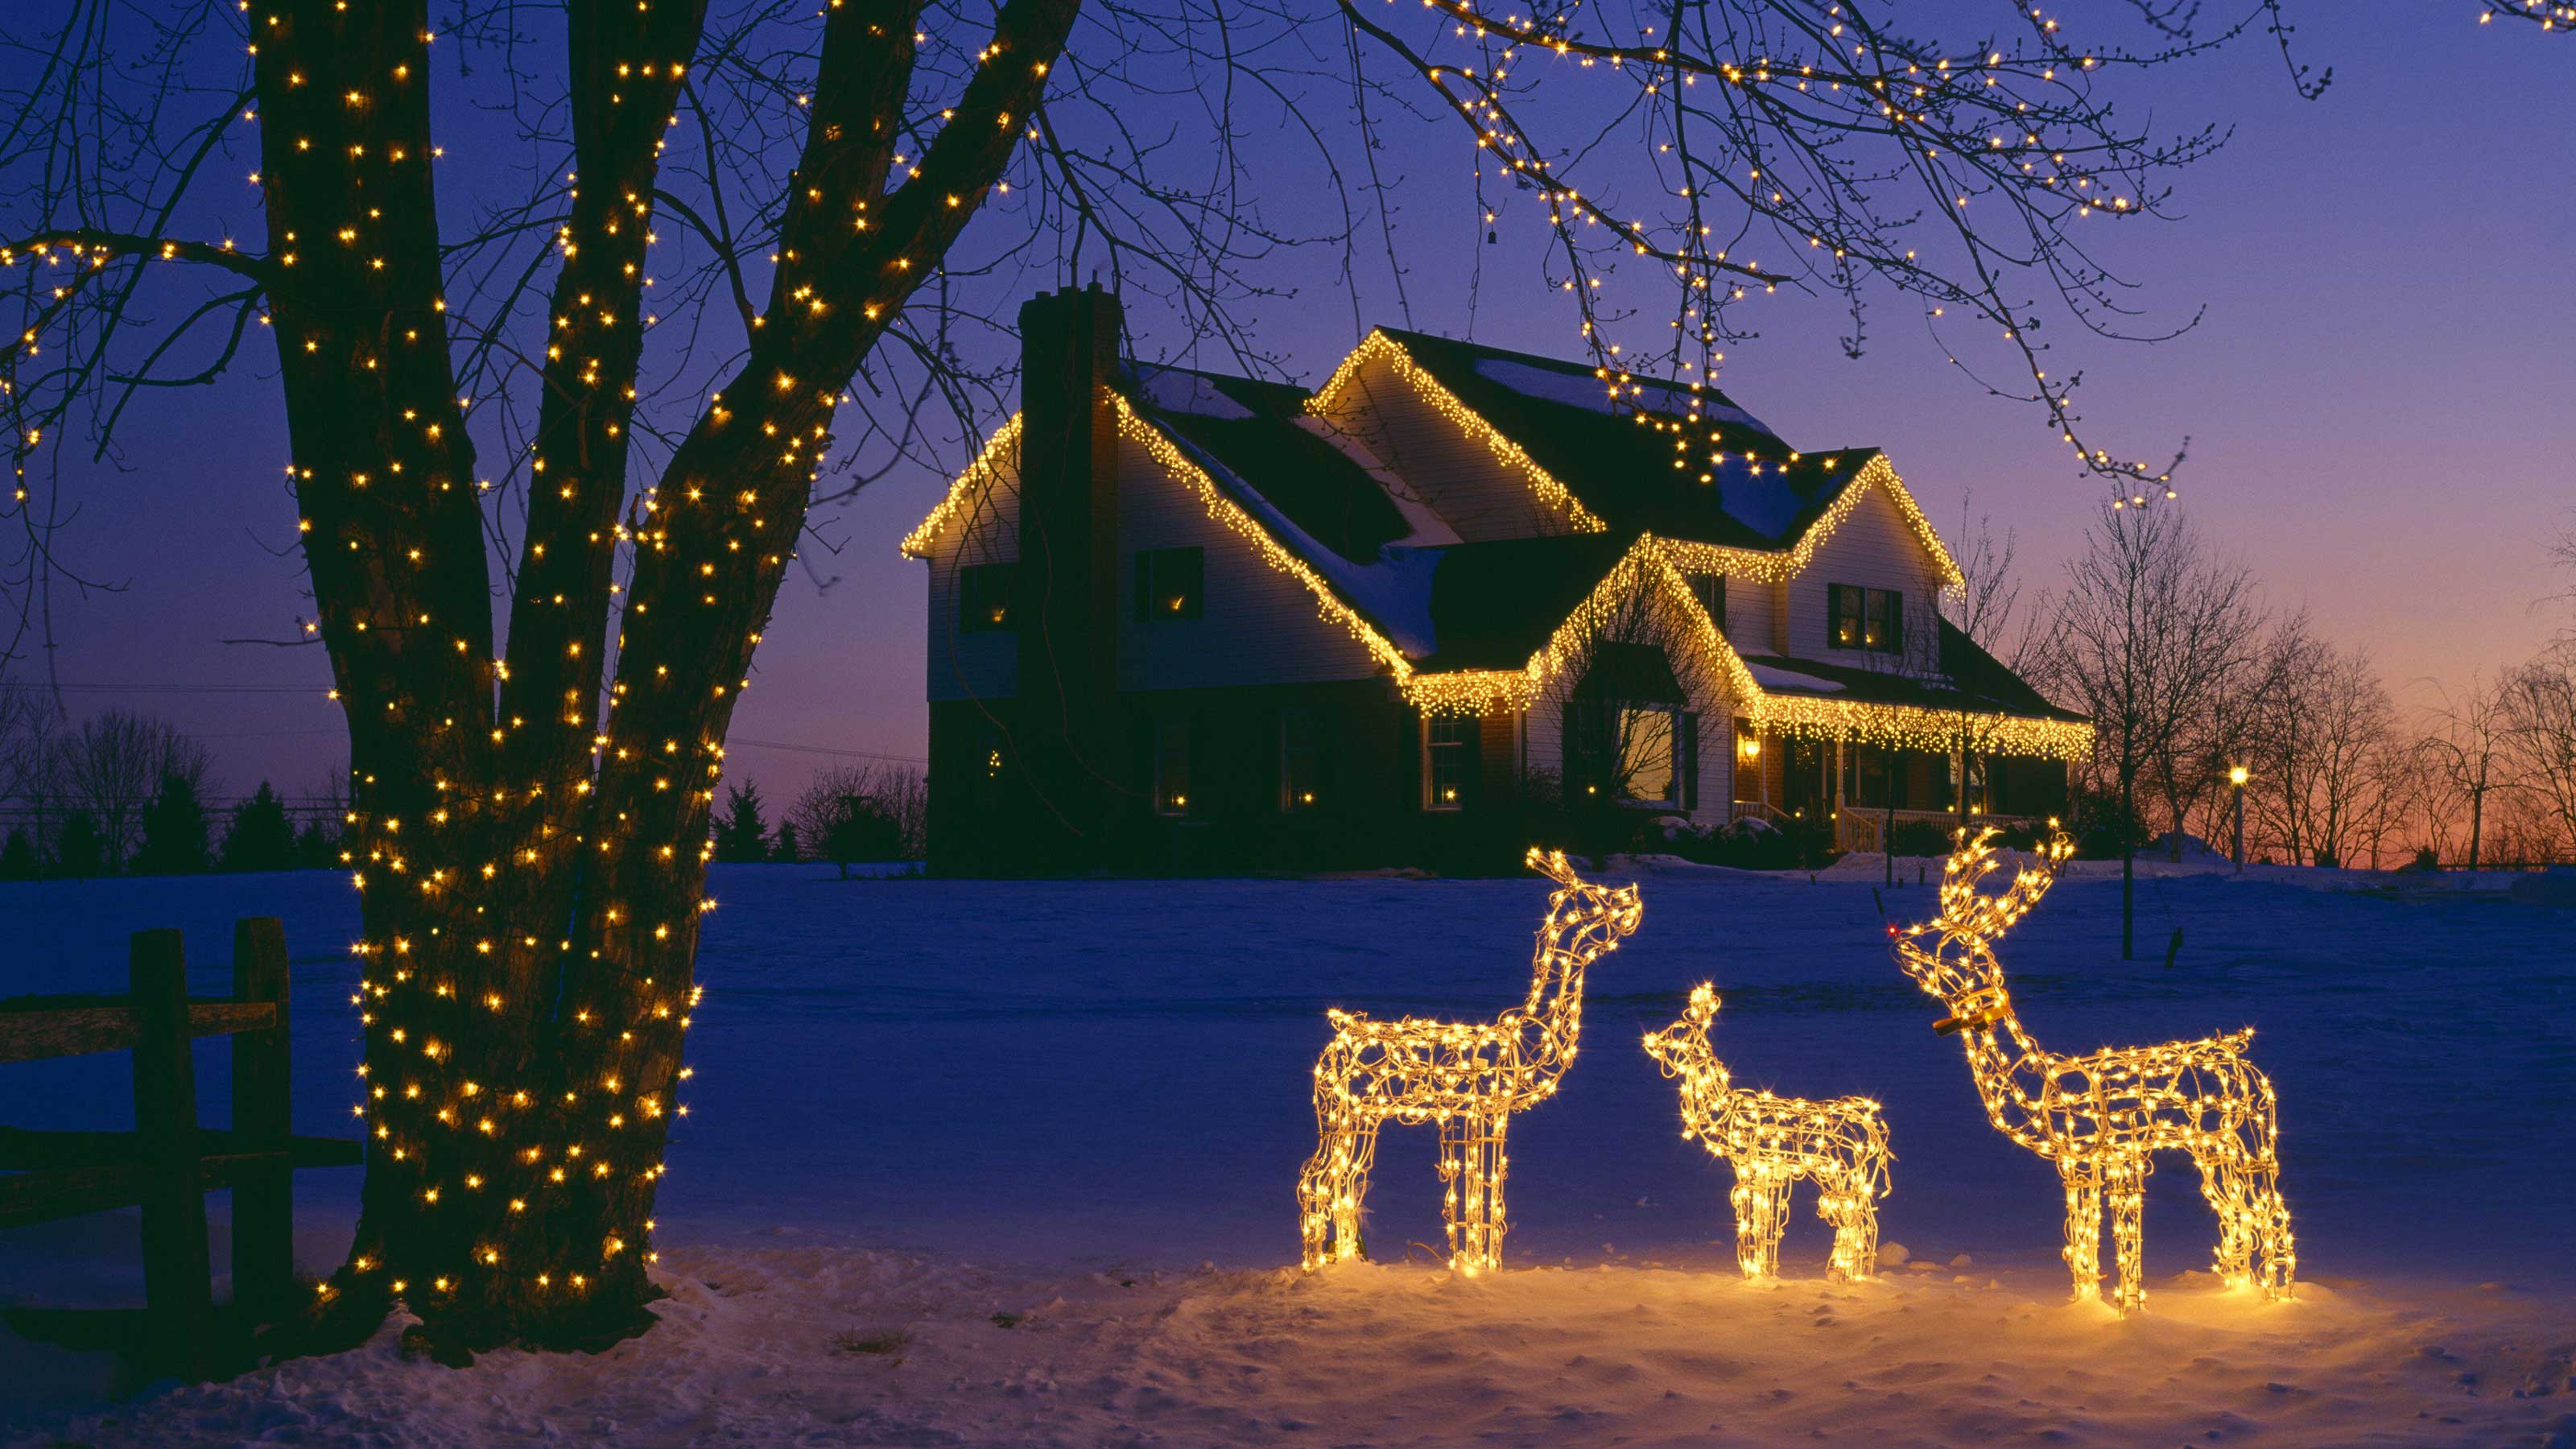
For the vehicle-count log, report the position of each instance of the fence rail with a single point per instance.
(168, 1163)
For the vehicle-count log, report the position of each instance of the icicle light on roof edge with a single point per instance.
(1466, 419)
(1004, 443)
(2101, 1117)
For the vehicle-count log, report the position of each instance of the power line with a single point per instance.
(826, 750)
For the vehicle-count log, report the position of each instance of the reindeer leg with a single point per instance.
(2272, 1233)
(1334, 1180)
(1761, 1201)
(1464, 1192)
(2224, 1185)
(2083, 1230)
(2126, 1187)
(1843, 1200)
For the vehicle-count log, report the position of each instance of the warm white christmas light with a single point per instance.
(1469, 1077)
(1772, 1142)
(2102, 1116)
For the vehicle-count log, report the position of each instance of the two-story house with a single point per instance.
(1185, 620)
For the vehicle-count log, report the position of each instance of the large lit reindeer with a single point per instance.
(1469, 1077)
(1771, 1142)
(2101, 1117)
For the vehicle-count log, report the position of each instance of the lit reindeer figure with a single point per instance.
(1469, 1077)
(1771, 1142)
(2101, 1117)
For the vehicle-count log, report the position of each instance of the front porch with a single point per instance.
(1867, 791)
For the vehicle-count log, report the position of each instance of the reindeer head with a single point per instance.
(1952, 955)
(1577, 901)
(1683, 1046)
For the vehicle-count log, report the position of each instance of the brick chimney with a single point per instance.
(1072, 737)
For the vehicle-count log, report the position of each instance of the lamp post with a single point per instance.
(2236, 777)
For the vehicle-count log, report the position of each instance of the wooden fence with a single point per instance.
(168, 1164)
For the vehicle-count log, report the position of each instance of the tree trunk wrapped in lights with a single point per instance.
(1773, 1142)
(1469, 1077)
(2101, 1117)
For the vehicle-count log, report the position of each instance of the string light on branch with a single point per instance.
(2101, 1117)
(1772, 1142)
(1467, 1077)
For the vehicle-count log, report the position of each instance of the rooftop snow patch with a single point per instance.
(1583, 390)
(1178, 390)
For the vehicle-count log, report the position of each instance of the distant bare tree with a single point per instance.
(113, 764)
(2468, 754)
(2154, 629)
(853, 813)
(2324, 737)
(2539, 709)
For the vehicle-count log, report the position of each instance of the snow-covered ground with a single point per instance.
(1081, 1106)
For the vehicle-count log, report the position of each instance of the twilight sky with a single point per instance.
(2377, 402)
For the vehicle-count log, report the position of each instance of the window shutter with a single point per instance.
(1895, 641)
(1144, 585)
(1686, 739)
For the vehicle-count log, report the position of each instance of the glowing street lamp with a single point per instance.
(2236, 778)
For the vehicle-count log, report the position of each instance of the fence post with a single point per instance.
(178, 1298)
(263, 1198)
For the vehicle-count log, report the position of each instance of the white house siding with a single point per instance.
(973, 666)
(1459, 476)
(1752, 615)
(1873, 548)
(1257, 624)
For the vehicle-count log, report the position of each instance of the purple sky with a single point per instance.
(2377, 402)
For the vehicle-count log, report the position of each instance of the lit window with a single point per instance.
(1172, 766)
(1859, 618)
(1448, 761)
(1649, 753)
(1298, 782)
(1170, 583)
(984, 598)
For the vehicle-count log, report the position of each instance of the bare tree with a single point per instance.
(738, 266)
(853, 813)
(2153, 628)
(2539, 710)
(112, 764)
(2324, 736)
(2467, 752)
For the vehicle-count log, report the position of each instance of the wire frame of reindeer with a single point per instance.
(1772, 1142)
(1468, 1077)
(2102, 1117)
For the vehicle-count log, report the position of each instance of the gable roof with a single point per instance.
(1462, 625)
(1670, 459)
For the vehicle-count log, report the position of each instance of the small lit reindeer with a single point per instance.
(1469, 1077)
(2101, 1117)
(1771, 1142)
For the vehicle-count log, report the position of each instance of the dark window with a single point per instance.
(1710, 590)
(984, 597)
(1859, 618)
(1448, 760)
(1169, 583)
(1172, 765)
(1298, 783)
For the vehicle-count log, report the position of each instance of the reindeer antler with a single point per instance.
(1552, 864)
